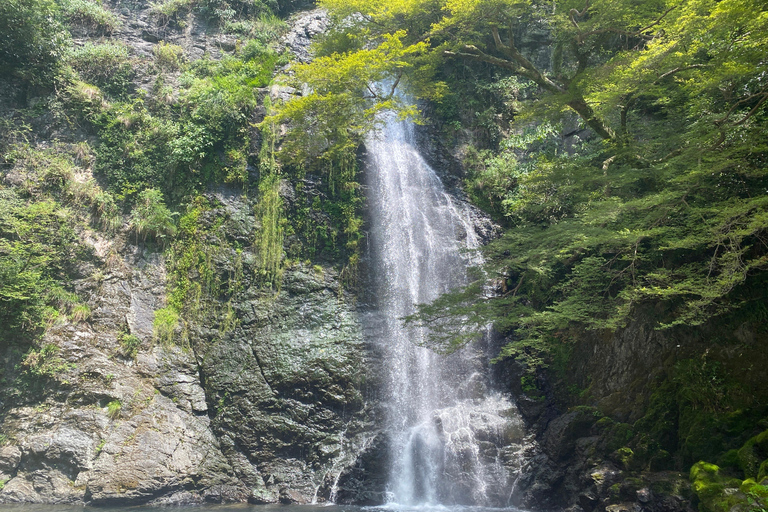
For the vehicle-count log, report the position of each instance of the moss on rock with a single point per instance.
(719, 493)
(752, 455)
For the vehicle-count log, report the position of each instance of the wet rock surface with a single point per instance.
(579, 461)
(272, 411)
(105, 428)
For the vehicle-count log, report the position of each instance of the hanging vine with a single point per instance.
(269, 211)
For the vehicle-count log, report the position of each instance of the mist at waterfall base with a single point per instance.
(453, 440)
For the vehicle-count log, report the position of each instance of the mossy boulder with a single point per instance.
(753, 454)
(719, 493)
(758, 491)
(762, 473)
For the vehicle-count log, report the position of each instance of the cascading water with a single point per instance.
(452, 440)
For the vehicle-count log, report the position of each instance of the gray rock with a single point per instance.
(10, 457)
(304, 26)
(644, 495)
(624, 507)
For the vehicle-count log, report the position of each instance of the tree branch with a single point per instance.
(636, 33)
(677, 70)
(533, 72)
(394, 86)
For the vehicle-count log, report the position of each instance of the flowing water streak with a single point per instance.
(436, 406)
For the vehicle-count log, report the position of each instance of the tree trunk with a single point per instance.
(580, 106)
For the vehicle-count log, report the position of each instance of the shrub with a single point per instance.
(105, 65)
(169, 57)
(81, 191)
(106, 212)
(130, 344)
(85, 101)
(170, 10)
(31, 39)
(114, 408)
(265, 28)
(133, 150)
(44, 362)
(91, 15)
(37, 243)
(80, 313)
(150, 217)
(165, 324)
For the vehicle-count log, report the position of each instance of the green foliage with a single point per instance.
(114, 408)
(129, 344)
(106, 212)
(171, 10)
(197, 289)
(165, 324)
(224, 13)
(85, 101)
(227, 11)
(717, 492)
(150, 217)
(263, 29)
(169, 57)
(108, 66)
(344, 102)
(180, 144)
(90, 14)
(753, 454)
(702, 411)
(31, 39)
(37, 244)
(670, 209)
(45, 363)
(270, 235)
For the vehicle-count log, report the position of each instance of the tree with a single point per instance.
(348, 91)
(600, 48)
(31, 38)
(669, 207)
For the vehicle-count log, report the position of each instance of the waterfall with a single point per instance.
(452, 440)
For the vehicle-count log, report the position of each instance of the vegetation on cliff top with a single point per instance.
(162, 129)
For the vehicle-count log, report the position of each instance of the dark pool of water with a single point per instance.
(253, 508)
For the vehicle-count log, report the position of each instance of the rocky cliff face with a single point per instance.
(269, 408)
(639, 413)
(268, 412)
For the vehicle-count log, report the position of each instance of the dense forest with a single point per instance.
(621, 146)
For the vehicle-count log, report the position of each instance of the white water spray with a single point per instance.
(448, 433)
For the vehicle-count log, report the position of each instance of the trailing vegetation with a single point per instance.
(38, 243)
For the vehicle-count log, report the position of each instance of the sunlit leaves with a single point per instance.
(668, 210)
(346, 93)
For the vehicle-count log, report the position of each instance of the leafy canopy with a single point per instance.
(665, 206)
